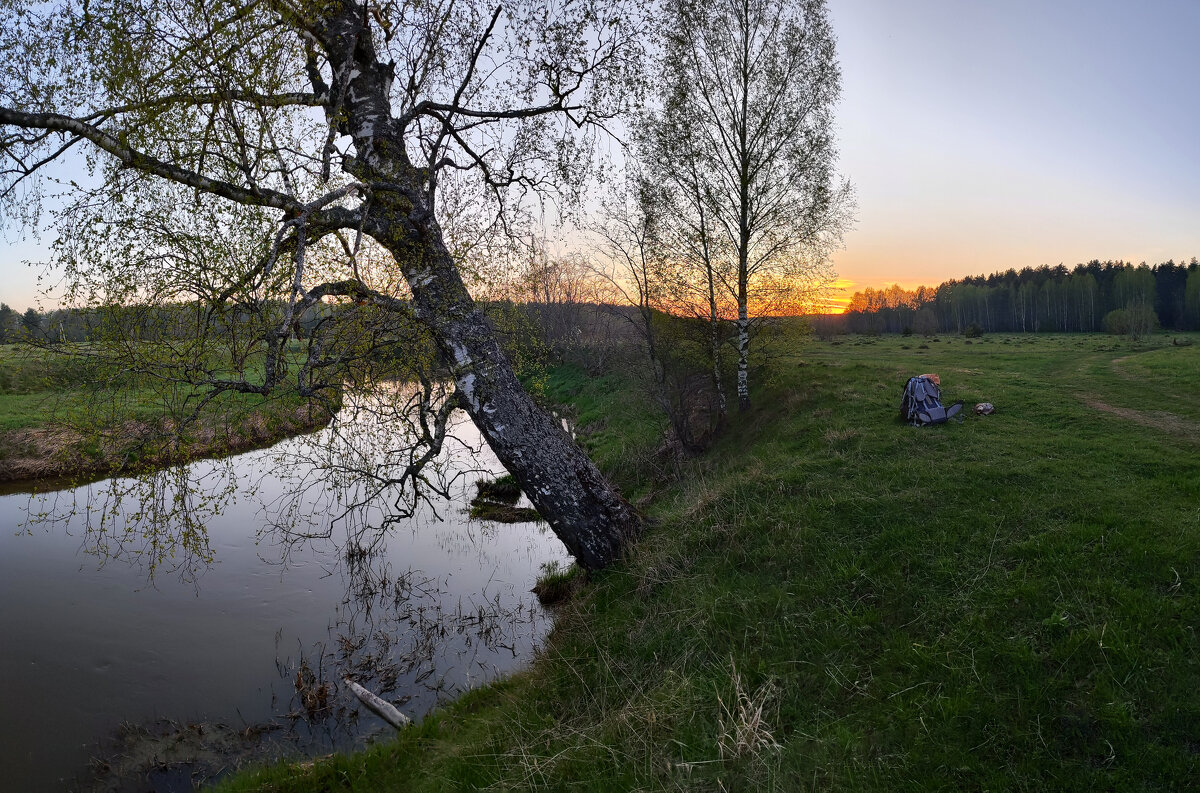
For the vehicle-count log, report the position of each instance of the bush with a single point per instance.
(1116, 322)
(973, 331)
(679, 380)
(1135, 321)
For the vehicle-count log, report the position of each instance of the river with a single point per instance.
(154, 633)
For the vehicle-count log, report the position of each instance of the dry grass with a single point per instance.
(1154, 419)
(743, 728)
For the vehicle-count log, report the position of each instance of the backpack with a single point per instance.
(922, 404)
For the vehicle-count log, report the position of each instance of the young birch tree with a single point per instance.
(306, 131)
(744, 135)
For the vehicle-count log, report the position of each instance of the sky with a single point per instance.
(986, 135)
(981, 135)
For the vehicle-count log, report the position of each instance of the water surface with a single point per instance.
(117, 625)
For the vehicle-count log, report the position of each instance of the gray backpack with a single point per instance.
(922, 404)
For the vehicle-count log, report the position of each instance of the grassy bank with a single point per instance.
(832, 600)
(56, 422)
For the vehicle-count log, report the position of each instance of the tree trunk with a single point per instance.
(745, 177)
(714, 341)
(743, 373)
(566, 488)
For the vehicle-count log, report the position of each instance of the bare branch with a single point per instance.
(147, 164)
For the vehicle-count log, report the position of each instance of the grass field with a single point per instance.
(833, 600)
(61, 416)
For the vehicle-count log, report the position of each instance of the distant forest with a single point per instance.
(1098, 296)
(144, 322)
(1111, 296)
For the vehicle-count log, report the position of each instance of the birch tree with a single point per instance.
(744, 134)
(248, 156)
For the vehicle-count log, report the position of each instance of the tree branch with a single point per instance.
(148, 164)
(192, 99)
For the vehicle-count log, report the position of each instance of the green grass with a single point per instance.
(39, 387)
(503, 489)
(87, 411)
(833, 600)
(558, 583)
(616, 425)
(34, 385)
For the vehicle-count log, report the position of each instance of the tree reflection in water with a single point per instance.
(156, 522)
(393, 450)
(395, 463)
(408, 639)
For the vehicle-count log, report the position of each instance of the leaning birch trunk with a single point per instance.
(387, 130)
(566, 488)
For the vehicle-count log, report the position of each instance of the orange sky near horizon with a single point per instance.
(984, 136)
(839, 295)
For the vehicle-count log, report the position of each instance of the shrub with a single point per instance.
(1116, 322)
(1135, 321)
(973, 331)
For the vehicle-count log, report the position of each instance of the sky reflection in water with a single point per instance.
(212, 594)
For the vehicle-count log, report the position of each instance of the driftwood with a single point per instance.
(378, 705)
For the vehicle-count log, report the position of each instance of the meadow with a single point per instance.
(64, 415)
(829, 599)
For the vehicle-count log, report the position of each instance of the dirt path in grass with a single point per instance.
(1155, 419)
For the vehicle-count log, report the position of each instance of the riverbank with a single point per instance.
(62, 452)
(53, 427)
(830, 599)
(188, 632)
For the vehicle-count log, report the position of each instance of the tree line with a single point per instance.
(146, 322)
(16, 326)
(1113, 296)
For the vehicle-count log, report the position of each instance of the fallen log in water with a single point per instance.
(378, 705)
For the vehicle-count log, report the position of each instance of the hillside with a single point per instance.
(830, 599)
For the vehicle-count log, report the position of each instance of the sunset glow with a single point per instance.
(982, 136)
(839, 296)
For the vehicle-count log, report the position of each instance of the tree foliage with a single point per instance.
(652, 289)
(742, 142)
(261, 159)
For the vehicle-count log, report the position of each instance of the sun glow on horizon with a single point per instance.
(838, 298)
